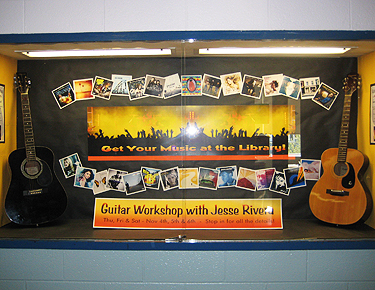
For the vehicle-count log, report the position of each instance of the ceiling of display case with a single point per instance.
(186, 48)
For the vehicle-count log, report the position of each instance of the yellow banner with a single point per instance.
(188, 214)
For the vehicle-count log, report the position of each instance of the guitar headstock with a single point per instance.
(23, 83)
(351, 83)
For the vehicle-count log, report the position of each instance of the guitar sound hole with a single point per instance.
(31, 169)
(340, 169)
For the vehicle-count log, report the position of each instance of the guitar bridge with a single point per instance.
(337, 192)
(33, 191)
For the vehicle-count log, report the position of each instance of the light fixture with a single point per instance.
(97, 52)
(273, 50)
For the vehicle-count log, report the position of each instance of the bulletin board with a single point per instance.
(114, 132)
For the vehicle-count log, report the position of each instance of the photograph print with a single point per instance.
(69, 164)
(309, 86)
(188, 178)
(290, 87)
(151, 177)
(231, 83)
(246, 179)
(208, 178)
(211, 86)
(325, 96)
(100, 182)
(64, 95)
(271, 84)
(119, 85)
(278, 183)
(191, 85)
(133, 183)
(252, 87)
(84, 177)
(227, 176)
(172, 86)
(136, 88)
(114, 179)
(102, 88)
(83, 89)
(154, 86)
(169, 178)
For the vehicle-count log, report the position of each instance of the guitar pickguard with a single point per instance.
(348, 181)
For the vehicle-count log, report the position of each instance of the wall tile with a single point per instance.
(143, 15)
(362, 15)
(44, 16)
(309, 15)
(12, 285)
(349, 265)
(307, 286)
(31, 264)
(11, 16)
(258, 266)
(60, 285)
(180, 266)
(226, 15)
(103, 265)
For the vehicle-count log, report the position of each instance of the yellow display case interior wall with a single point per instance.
(8, 68)
(366, 71)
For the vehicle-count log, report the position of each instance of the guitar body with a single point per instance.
(339, 196)
(35, 195)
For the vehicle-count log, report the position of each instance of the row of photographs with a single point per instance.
(190, 178)
(195, 85)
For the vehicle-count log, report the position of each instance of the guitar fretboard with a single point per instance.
(28, 127)
(344, 132)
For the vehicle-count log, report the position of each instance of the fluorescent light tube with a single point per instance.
(273, 50)
(96, 52)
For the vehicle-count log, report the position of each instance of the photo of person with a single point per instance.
(208, 178)
(252, 87)
(83, 89)
(133, 183)
(136, 88)
(325, 96)
(264, 178)
(154, 86)
(188, 178)
(211, 86)
(69, 164)
(290, 87)
(100, 182)
(246, 179)
(172, 86)
(309, 86)
(227, 176)
(169, 178)
(311, 169)
(231, 83)
(119, 85)
(102, 88)
(278, 183)
(64, 95)
(114, 179)
(271, 84)
(84, 177)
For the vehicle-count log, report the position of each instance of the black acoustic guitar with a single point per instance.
(35, 195)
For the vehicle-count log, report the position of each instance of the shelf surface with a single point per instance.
(79, 234)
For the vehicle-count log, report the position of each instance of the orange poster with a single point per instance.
(188, 214)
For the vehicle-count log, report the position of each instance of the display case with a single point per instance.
(207, 134)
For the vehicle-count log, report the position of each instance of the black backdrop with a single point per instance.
(65, 130)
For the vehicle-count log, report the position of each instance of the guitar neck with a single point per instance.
(344, 132)
(28, 127)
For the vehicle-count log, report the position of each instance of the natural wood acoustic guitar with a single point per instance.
(340, 196)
